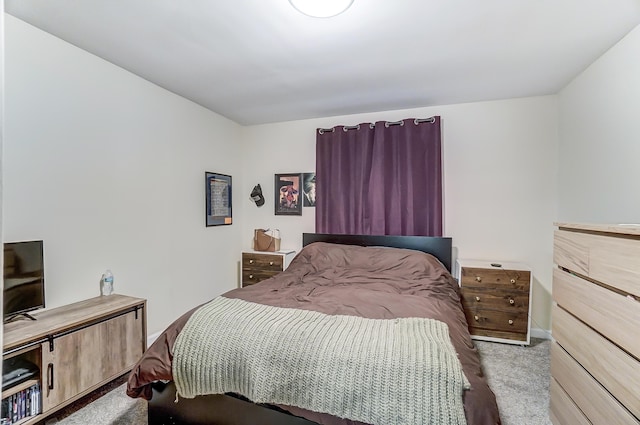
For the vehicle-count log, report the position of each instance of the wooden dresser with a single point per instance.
(496, 297)
(258, 265)
(595, 371)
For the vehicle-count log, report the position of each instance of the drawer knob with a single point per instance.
(510, 322)
(250, 276)
(271, 263)
(478, 279)
(250, 261)
(476, 318)
(477, 298)
(513, 281)
(511, 301)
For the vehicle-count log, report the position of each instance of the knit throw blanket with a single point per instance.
(381, 372)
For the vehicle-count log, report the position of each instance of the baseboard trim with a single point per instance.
(152, 338)
(540, 333)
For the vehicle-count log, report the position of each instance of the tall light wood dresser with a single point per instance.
(595, 358)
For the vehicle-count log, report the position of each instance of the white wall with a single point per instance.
(108, 169)
(81, 131)
(600, 139)
(499, 180)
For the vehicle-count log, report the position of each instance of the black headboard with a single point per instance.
(439, 247)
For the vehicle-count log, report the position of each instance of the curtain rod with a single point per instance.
(387, 124)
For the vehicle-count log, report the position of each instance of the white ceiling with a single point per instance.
(259, 61)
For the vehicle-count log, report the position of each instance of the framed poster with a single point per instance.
(217, 199)
(309, 190)
(287, 194)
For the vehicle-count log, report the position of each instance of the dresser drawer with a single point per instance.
(597, 404)
(495, 278)
(614, 261)
(562, 410)
(620, 374)
(505, 299)
(610, 313)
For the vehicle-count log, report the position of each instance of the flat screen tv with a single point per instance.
(23, 278)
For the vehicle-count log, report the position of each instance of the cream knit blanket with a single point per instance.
(381, 372)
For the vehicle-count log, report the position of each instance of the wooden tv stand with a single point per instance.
(77, 348)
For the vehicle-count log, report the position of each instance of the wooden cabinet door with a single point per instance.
(70, 367)
(122, 344)
(85, 359)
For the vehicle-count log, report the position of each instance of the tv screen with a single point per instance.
(23, 277)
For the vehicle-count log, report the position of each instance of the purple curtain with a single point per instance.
(382, 179)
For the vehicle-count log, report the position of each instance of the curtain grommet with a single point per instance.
(351, 127)
(387, 124)
(430, 120)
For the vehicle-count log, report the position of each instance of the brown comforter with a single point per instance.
(377, 283)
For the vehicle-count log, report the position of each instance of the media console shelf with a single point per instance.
(76, 348)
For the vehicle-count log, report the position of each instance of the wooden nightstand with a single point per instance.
(258, 265)
(496, 300)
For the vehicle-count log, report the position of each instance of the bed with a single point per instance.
(350, 279)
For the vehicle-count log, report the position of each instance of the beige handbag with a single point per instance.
(266, 240)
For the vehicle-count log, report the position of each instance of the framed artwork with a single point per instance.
(218, 199)
(287, 194)
(309, 189)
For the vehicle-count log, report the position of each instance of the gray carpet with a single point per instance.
(519, 376)
(113, 408)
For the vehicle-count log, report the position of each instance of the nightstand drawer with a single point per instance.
(508, 300)
(521, 338)
(262, 262)
(498, 320)
(495, 278)
(249, 277)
